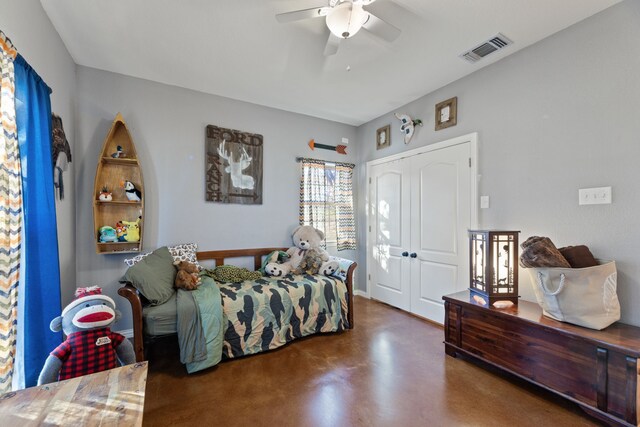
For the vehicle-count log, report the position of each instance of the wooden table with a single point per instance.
(598, 370)
(110, 398)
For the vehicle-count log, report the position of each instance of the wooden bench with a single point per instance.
(598, 370)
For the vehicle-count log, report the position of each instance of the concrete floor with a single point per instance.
(391, 370)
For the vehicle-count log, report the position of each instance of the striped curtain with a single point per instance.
(10, 215)
(326, 200)
(345, 220)
(313, 195)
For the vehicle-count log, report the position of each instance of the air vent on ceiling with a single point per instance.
(495, 43)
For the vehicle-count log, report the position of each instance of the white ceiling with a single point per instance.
(235, 48)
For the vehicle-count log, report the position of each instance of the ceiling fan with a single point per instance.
(344, 19)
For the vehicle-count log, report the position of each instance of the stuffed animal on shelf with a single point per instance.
(119, 153)
(90, 345)
(105, 195)
(107, 234)
(121, 231)
(305, 238)
(187, 276)
(130, 190)
(132, 231)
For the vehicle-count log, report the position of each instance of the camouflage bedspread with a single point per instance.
(267, 313)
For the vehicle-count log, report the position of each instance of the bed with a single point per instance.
(253, 316)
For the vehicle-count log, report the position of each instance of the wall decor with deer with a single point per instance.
(233, 170)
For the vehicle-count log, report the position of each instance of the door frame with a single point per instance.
(471, 138)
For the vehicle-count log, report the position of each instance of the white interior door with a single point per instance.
(440, 217)
(390, 233)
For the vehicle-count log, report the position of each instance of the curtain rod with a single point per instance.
(327, 162)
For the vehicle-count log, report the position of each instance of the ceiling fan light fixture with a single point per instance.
(346, 19)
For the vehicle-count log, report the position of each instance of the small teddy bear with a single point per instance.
(305, 238)
(187, 276)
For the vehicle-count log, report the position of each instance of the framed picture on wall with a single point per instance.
(383, 137)
(233, 168)
(447, 113)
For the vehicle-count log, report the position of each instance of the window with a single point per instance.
(326, 201)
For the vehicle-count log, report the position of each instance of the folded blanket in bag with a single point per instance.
(541, 252)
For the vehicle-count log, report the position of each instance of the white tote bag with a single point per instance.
(582, 296)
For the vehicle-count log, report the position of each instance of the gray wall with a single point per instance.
(557, 116)
(31, 32)
(552, 118)
(167, 125)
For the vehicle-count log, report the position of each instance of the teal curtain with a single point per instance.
(40, 284)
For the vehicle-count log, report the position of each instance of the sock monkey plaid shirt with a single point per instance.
(88, 352)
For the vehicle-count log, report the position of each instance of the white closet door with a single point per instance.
(390, 234)
(440, 218)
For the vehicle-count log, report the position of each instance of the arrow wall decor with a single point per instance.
(341, 149)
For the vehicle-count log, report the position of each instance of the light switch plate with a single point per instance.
(594, 196)
(484, 202)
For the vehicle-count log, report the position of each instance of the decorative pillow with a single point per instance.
(185, 252)
(343, 267)
(154, 275)
(136, 259)
(181, 252)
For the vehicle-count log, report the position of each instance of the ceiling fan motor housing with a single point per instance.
(346, 19)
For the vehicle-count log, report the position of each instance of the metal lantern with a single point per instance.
(494, 265)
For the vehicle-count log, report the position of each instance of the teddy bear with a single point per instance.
(90, 345)
(306, 241)
(188, 275)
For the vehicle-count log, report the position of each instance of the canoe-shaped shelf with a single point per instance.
(118, 162)
(119, 202)
(130, 162)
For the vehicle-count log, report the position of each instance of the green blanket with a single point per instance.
(207, 299)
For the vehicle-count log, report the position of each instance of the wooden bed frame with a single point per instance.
(131, 294)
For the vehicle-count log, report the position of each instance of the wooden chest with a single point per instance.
(598, 370)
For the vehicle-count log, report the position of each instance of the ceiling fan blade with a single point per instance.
(332, 45)
(297, 15)
(380, 28)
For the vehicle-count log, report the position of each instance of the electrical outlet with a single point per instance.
(594, 196)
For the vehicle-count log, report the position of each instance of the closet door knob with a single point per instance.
(414, 255)
(405, 253)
